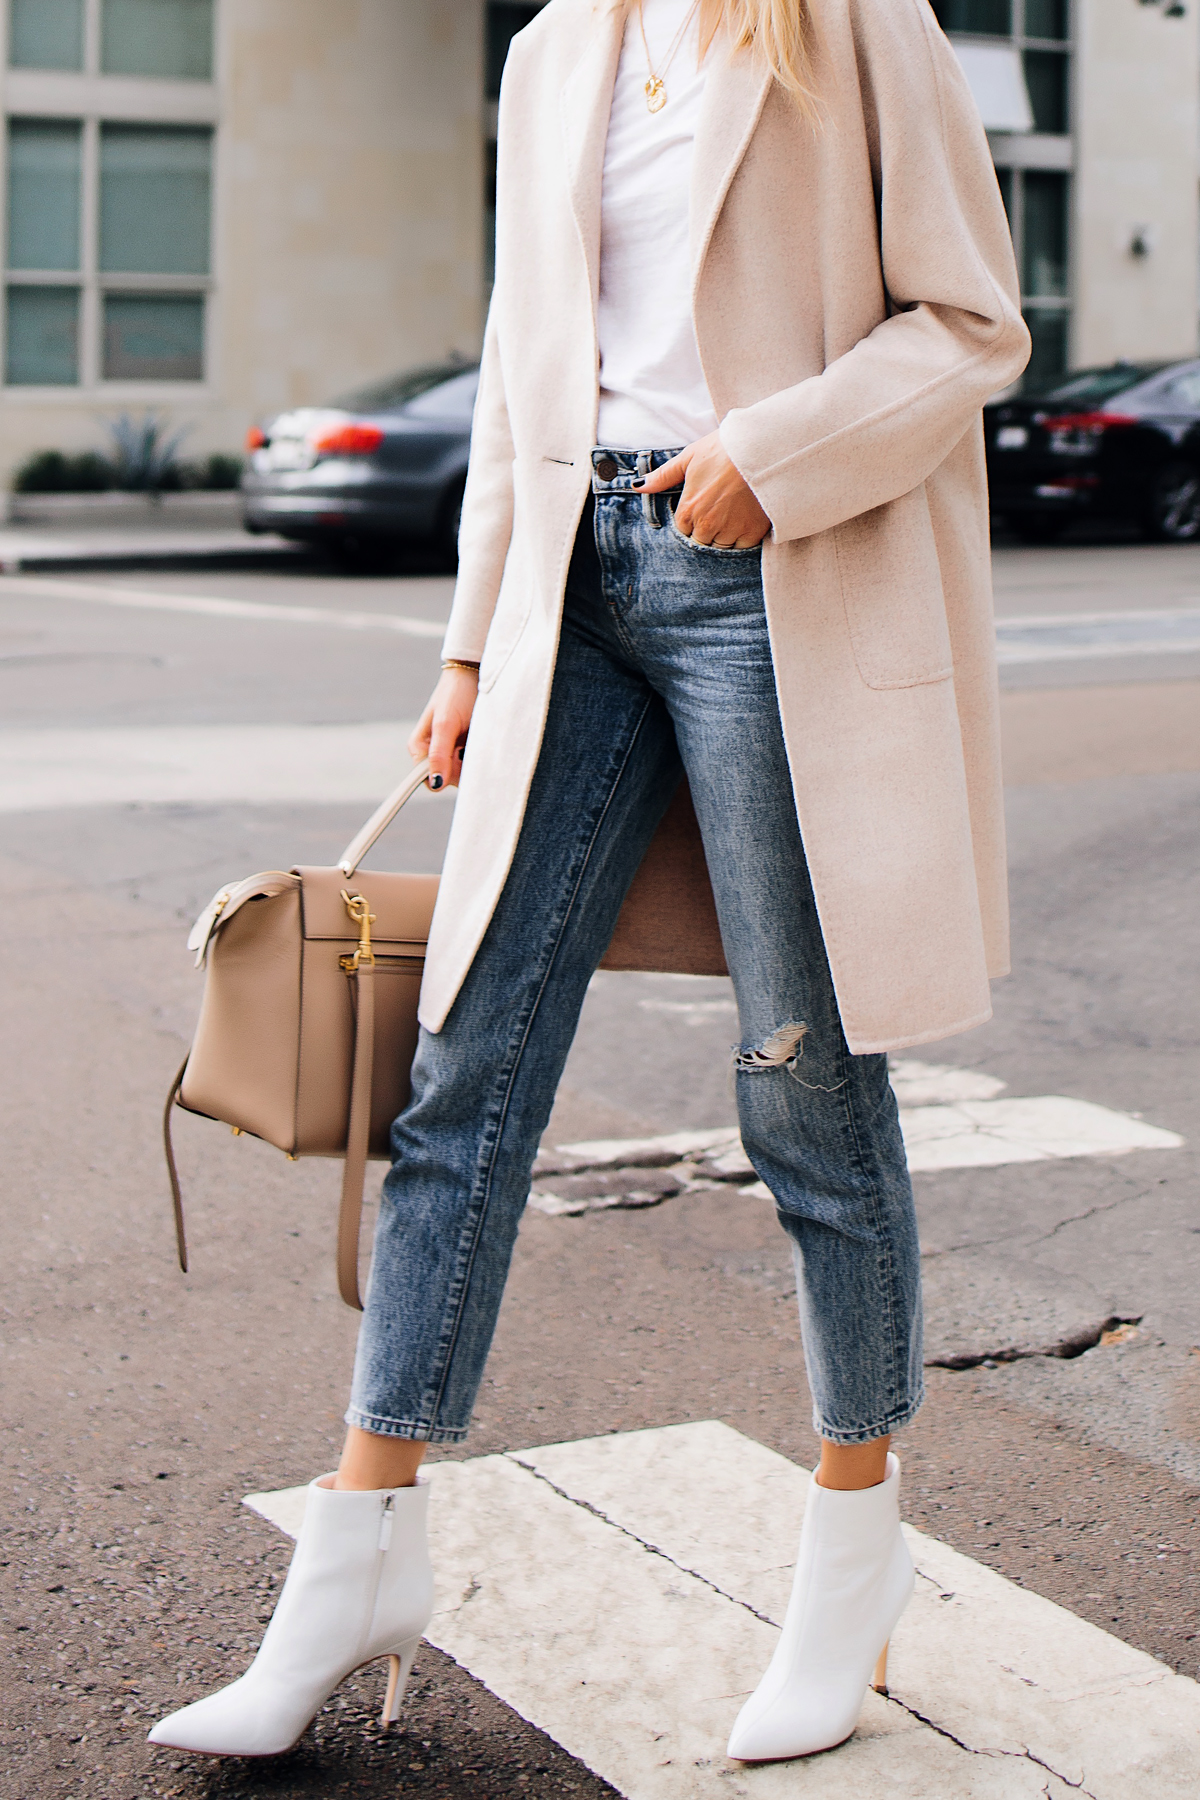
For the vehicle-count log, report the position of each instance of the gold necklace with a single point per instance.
(656, 87)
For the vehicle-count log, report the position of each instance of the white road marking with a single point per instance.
(1064, 637)
(94, 593)
(200, 764)
(1051, 637)
(950, 1118)
(982, 1133)
(623, 1594)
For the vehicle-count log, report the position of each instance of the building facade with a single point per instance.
(1093, 110)
(218, 208)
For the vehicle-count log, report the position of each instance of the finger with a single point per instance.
(445, 762)
(669, 476)
(418, 743)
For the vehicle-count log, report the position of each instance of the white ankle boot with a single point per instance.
(359, 1586)
(854, 1577)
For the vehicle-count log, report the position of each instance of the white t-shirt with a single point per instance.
(653, 395)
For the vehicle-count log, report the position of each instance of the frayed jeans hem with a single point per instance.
(866, 1434)
(417, 1429)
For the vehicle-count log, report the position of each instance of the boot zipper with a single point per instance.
(385, 1523)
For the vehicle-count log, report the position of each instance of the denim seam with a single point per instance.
(478, 1212)
(894, 1420)
(379, 1425)
(883, 1239)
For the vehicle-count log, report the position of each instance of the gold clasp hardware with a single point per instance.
(364, 918)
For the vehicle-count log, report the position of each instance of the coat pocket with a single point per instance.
(892, 593)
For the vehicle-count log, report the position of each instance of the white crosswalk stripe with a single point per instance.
(623, 1593)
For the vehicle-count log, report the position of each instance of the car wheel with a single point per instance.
(448, 523)
(1173, 509)
(1037, 528)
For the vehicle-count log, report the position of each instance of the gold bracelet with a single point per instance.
(456, 662)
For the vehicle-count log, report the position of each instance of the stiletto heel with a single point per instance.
(399, 1670)
(879, 1678)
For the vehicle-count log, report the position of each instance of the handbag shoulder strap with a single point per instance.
(172, 1171)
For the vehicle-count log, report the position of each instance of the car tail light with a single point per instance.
(347, 440)
(255, 438)
(1077, 434)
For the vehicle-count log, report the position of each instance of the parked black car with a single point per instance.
(383, 463)
(1122, 442)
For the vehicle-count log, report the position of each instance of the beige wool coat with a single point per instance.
(855, 303)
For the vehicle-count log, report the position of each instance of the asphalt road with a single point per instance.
(139, 1405)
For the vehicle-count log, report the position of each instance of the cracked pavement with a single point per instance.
(139, 1405)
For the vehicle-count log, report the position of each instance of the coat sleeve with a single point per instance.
(881, 418)
(487, 511)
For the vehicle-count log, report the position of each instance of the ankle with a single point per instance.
(848, 1468)
(370, 1462)
(342, 1484)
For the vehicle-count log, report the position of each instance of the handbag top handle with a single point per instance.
(381, 818)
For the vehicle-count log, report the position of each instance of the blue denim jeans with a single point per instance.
(663, 666)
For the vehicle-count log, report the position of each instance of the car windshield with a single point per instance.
(1092, 387)
(396, 391)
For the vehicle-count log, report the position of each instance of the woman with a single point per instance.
(726, 520)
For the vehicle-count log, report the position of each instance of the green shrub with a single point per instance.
(59, 472)
(214, 473)
(222, 470)
(87, 472)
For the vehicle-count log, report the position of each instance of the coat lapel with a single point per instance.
(734, 93)
(585, 105)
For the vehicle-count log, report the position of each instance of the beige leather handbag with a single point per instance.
(308, 1022)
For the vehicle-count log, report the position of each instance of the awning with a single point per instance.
(997, 79)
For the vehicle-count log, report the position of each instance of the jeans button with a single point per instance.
(607, 469)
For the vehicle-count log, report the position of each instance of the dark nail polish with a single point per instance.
(638, 485)
(436, 782)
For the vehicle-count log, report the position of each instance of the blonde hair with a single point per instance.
(781, 31)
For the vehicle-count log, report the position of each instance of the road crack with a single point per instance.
(1065, 1349)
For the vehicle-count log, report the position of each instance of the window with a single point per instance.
(44, 161)
(980, 18)
(154, 199)
(1034, 170)
(108, 238)
(45, 34)
(153, 337)
(157, 37)
(43, 336)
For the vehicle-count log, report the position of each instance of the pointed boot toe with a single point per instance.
(237, 1721)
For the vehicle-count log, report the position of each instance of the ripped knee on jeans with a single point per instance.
(779, 1051)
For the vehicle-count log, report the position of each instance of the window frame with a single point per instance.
(94, 99)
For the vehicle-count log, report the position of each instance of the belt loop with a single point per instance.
(649, 510)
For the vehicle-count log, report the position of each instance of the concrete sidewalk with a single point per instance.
(57, 531)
